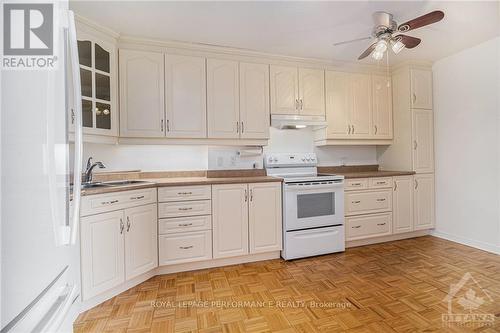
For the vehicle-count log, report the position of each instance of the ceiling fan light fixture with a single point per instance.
(397, 46)
(381, 46)
(377, 55)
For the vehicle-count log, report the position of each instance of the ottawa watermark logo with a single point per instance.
(28, 36)
(465, 302)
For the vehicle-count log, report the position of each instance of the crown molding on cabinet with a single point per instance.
(96, 27)
(201, 141)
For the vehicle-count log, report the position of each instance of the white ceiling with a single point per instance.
(303, 29)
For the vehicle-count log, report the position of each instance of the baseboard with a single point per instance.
(384, 239)
(469, 242)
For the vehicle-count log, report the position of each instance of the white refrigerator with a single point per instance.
(40, 190)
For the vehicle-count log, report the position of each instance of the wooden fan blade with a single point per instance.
(421, 21)
(367, 52)
(352, 41)
(409, 41)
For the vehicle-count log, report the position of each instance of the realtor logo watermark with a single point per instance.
(28, 36)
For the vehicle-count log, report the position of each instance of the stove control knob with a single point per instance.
(275, 159)
(303, 159)
(270, 160)
(308, 159)
(313, 159)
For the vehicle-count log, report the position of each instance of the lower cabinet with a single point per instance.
(366, 226)
(423, 201)
(402, 204)
(185, 247)
(117, 246)
(246, 219)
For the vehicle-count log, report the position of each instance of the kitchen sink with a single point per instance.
(124, 182)
(94, 185)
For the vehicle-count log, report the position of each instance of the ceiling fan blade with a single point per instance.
(421, 21)
(352, 41)
(367, 52)
(409, 41)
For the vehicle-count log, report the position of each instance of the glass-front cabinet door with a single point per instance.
(98, 78)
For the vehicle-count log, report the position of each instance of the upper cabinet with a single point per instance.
(297, 91)
(254, 101)
(421, 89)
(98, 76)
(142, 99)
(186, 95)
(358, 109)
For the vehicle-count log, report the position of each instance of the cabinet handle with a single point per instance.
(237, 127)
(168, 125)
(128, 224)
(186, 247)
(246, 195)
(356, 184)
(356, 202)
(381, 199)
(108, 202)
(376, 129)
(352, 129)
(251, 195)
(416, 184)
(381, 223)
(161, 124)
(72, 116)
(301, 104)
(349, 129)
(381, 183)
(296, 104)
(121, 226)
(415, 145)
(185, 224)
(184, 193)
(395, 186)
(242, 127)
(189, 208)
(356, 226)
(137, 198)
(414, 97)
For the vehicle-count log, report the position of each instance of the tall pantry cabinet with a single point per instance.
(413, 143)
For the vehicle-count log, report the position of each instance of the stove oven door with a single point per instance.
(313, 204)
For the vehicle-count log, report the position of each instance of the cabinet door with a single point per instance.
(312, 92)
(402, 204)
(423, 141)
(421, 89)
(265, 217)
(186, 94)
(423, 201)
(223, 99)
(361, 110)
(254, 101)
(382, 107)
(230, 220)
(338, 104)
(102, 252)
(284, 90)
(141, 237)
(142, 109)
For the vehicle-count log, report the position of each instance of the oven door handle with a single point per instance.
(298, 188)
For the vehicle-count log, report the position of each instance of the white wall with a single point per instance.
(467, 146)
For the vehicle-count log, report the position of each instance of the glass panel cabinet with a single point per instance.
(98, 77)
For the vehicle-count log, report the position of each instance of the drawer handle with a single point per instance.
(137, 198)
(356, 226)
(184, 193)
(186, 247)
(356, 184)
(381, 223)
(356, 202)
(189, 208)
(185, 224)
(108, 202)
(381, 183)
(381, 199)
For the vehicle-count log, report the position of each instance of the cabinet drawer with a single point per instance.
(185, 247)
(373, 225)
(184, 208)
(364, 202)
(183, 224)
(356, 184)
(100, 203)
(380, 182)
(182, 193)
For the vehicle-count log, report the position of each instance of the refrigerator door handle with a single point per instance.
(77, 172)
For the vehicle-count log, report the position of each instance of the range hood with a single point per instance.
(297, 122)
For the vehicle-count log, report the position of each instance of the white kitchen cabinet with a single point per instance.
(142, 108)
(284, 83)
(254, 101)
(423, 141)
(265, 217)
(361, 109)
(423, 204)
(102, 252)
(311, 92)
(368, 226)
(382, 107)
(223, 100)
(141, 251)
(402, 204)
(230, 220)
(185, 91)
(338, 103)
(421, 88)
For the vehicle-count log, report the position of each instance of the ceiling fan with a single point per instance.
(387, 32)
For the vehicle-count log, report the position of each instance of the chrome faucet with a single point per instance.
(87, 178)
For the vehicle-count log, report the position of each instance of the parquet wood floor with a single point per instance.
(392, 287)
